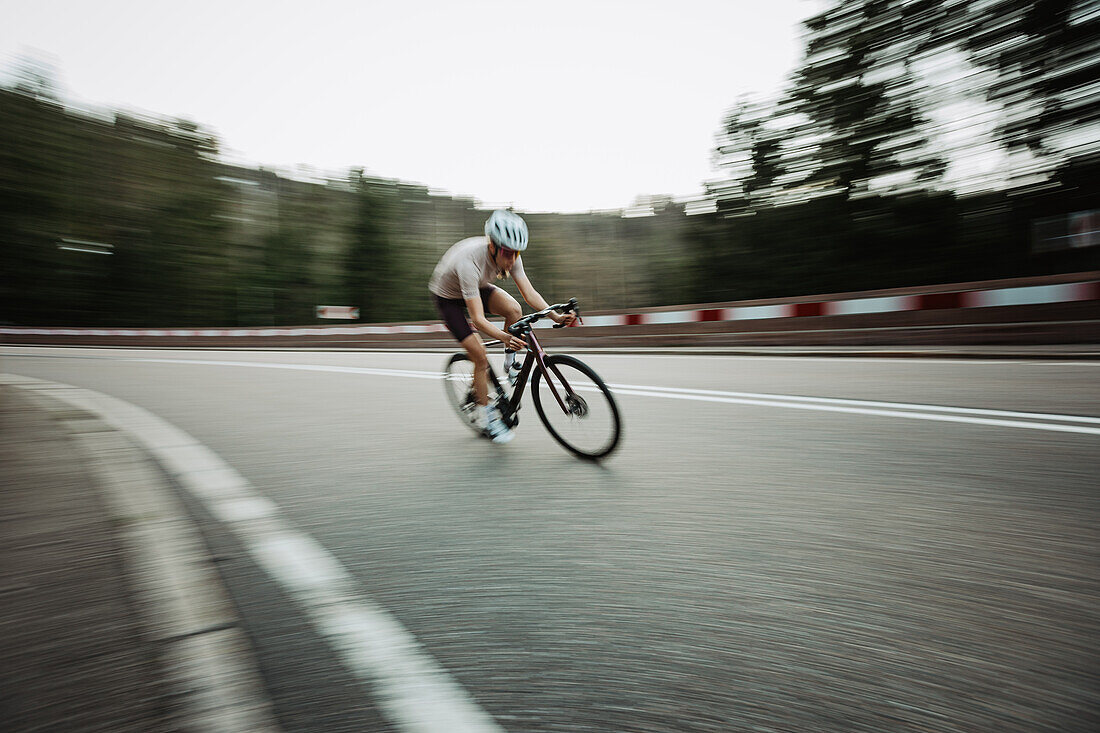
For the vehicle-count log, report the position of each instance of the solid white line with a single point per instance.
(863, 403)
(849, 359)
(912, 411)
(300, 367)
(414, 692)
(240, 510)
(880, 413)
(906, 410)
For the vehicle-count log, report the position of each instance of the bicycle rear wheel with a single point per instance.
(586, 421)
(458, 383)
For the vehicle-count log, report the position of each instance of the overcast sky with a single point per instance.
(549, 106)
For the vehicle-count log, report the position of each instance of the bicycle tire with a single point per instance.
(568, 428)
(458, 383)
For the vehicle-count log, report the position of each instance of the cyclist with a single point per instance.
(463, 278)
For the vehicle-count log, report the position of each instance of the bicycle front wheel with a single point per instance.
(458, 383)
(576, 407)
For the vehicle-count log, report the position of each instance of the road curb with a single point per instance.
(185, 608)
(412, 691)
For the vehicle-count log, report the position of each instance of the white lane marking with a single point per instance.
(865, 411)
(414, 692)
(40, 352)
(240, 510)
(758, 399)
(301, 367)
(420, 696)
(862, 403)
(300, 563)
(801, 358)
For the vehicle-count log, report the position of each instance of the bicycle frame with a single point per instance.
(536, 355)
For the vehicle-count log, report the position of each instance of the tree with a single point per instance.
(369, 262)
(857, 88)
(1045, 58)
(28, 203)
(843, 182)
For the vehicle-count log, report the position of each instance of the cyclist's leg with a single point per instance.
(494, 426)
(475, 349)
(500, 303)
(454, 316)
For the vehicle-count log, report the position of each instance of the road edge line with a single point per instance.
(414, 692)
(184, 606)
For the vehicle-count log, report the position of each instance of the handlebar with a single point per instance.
(523, 325)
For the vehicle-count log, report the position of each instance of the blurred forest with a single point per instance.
(918, 143)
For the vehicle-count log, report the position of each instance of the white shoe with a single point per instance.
(513, 372)
(497, 431)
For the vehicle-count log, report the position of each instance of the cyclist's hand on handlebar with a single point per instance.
(566, 319)
(513, 342)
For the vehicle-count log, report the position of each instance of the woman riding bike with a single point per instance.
(464, 279)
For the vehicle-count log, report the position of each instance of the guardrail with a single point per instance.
(1042, 310)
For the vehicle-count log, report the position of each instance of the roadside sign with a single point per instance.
(346, 312)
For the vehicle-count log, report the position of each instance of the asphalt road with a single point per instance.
(742, 562)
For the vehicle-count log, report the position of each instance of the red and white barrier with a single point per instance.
(1029, 295)
(983, 298)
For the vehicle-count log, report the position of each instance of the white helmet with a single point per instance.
(507, 229)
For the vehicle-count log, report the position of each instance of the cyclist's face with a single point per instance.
(505, 257)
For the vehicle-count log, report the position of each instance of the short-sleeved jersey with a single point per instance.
(466, 268)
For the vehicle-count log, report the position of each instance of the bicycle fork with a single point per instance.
(540, 356)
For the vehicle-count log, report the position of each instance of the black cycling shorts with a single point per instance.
(453, 312)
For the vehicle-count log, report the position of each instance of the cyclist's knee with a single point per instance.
(476, 351)
(503, 304)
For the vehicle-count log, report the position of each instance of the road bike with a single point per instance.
(572, 401)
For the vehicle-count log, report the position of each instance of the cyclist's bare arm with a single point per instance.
(481, 323)
(536, 301)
